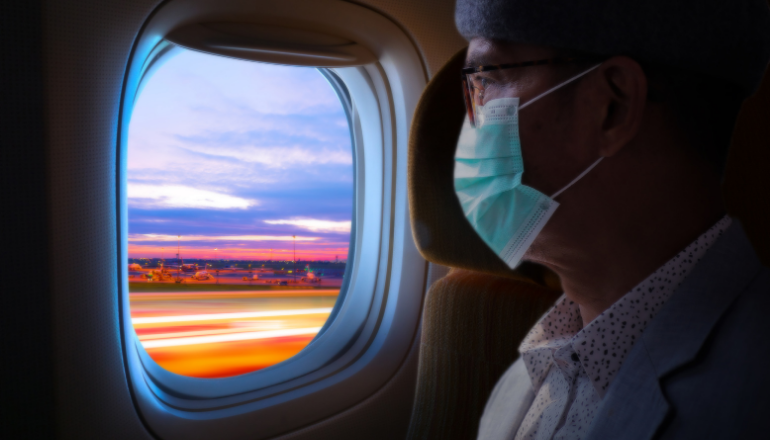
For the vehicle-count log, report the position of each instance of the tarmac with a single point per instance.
(235, 277)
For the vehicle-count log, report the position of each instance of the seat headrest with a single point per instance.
(440, 229)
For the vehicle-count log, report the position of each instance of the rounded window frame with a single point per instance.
(376, 320)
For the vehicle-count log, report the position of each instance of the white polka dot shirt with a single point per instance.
(586, 360)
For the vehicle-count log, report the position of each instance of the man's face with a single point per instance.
(551, 136)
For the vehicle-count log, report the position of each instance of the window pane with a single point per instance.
(240, 197)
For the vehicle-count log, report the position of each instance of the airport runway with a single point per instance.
(236, 277)
(219, 334)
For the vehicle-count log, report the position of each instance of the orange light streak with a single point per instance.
(219, 334)
(228, 316)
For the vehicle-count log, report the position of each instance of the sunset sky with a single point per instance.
(238, 156)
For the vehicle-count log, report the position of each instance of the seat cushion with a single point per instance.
(472, 326)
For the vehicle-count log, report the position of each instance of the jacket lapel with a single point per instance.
(635, 406)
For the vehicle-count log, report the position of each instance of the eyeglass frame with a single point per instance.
(464, 72)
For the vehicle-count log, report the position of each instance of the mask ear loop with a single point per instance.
(576, 179)
(552, 89)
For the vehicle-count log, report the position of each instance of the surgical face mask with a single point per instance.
(506, 214)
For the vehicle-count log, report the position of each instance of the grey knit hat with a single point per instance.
(728, 39)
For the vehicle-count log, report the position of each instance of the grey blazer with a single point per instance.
(701, 369)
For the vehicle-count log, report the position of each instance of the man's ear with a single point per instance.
(621, 86)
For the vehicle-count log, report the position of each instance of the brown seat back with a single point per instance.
(747, 179)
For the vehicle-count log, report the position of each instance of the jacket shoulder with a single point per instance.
(723, 392)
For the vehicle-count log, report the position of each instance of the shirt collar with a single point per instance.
(603, 345)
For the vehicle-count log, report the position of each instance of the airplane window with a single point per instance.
(240, 200)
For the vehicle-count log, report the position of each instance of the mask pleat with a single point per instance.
(470, 168)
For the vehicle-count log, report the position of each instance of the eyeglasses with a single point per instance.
(475, 82)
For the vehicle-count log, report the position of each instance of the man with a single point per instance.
(621, 114)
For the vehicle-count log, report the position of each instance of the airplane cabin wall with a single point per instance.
(86, 48)
(26, 365)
